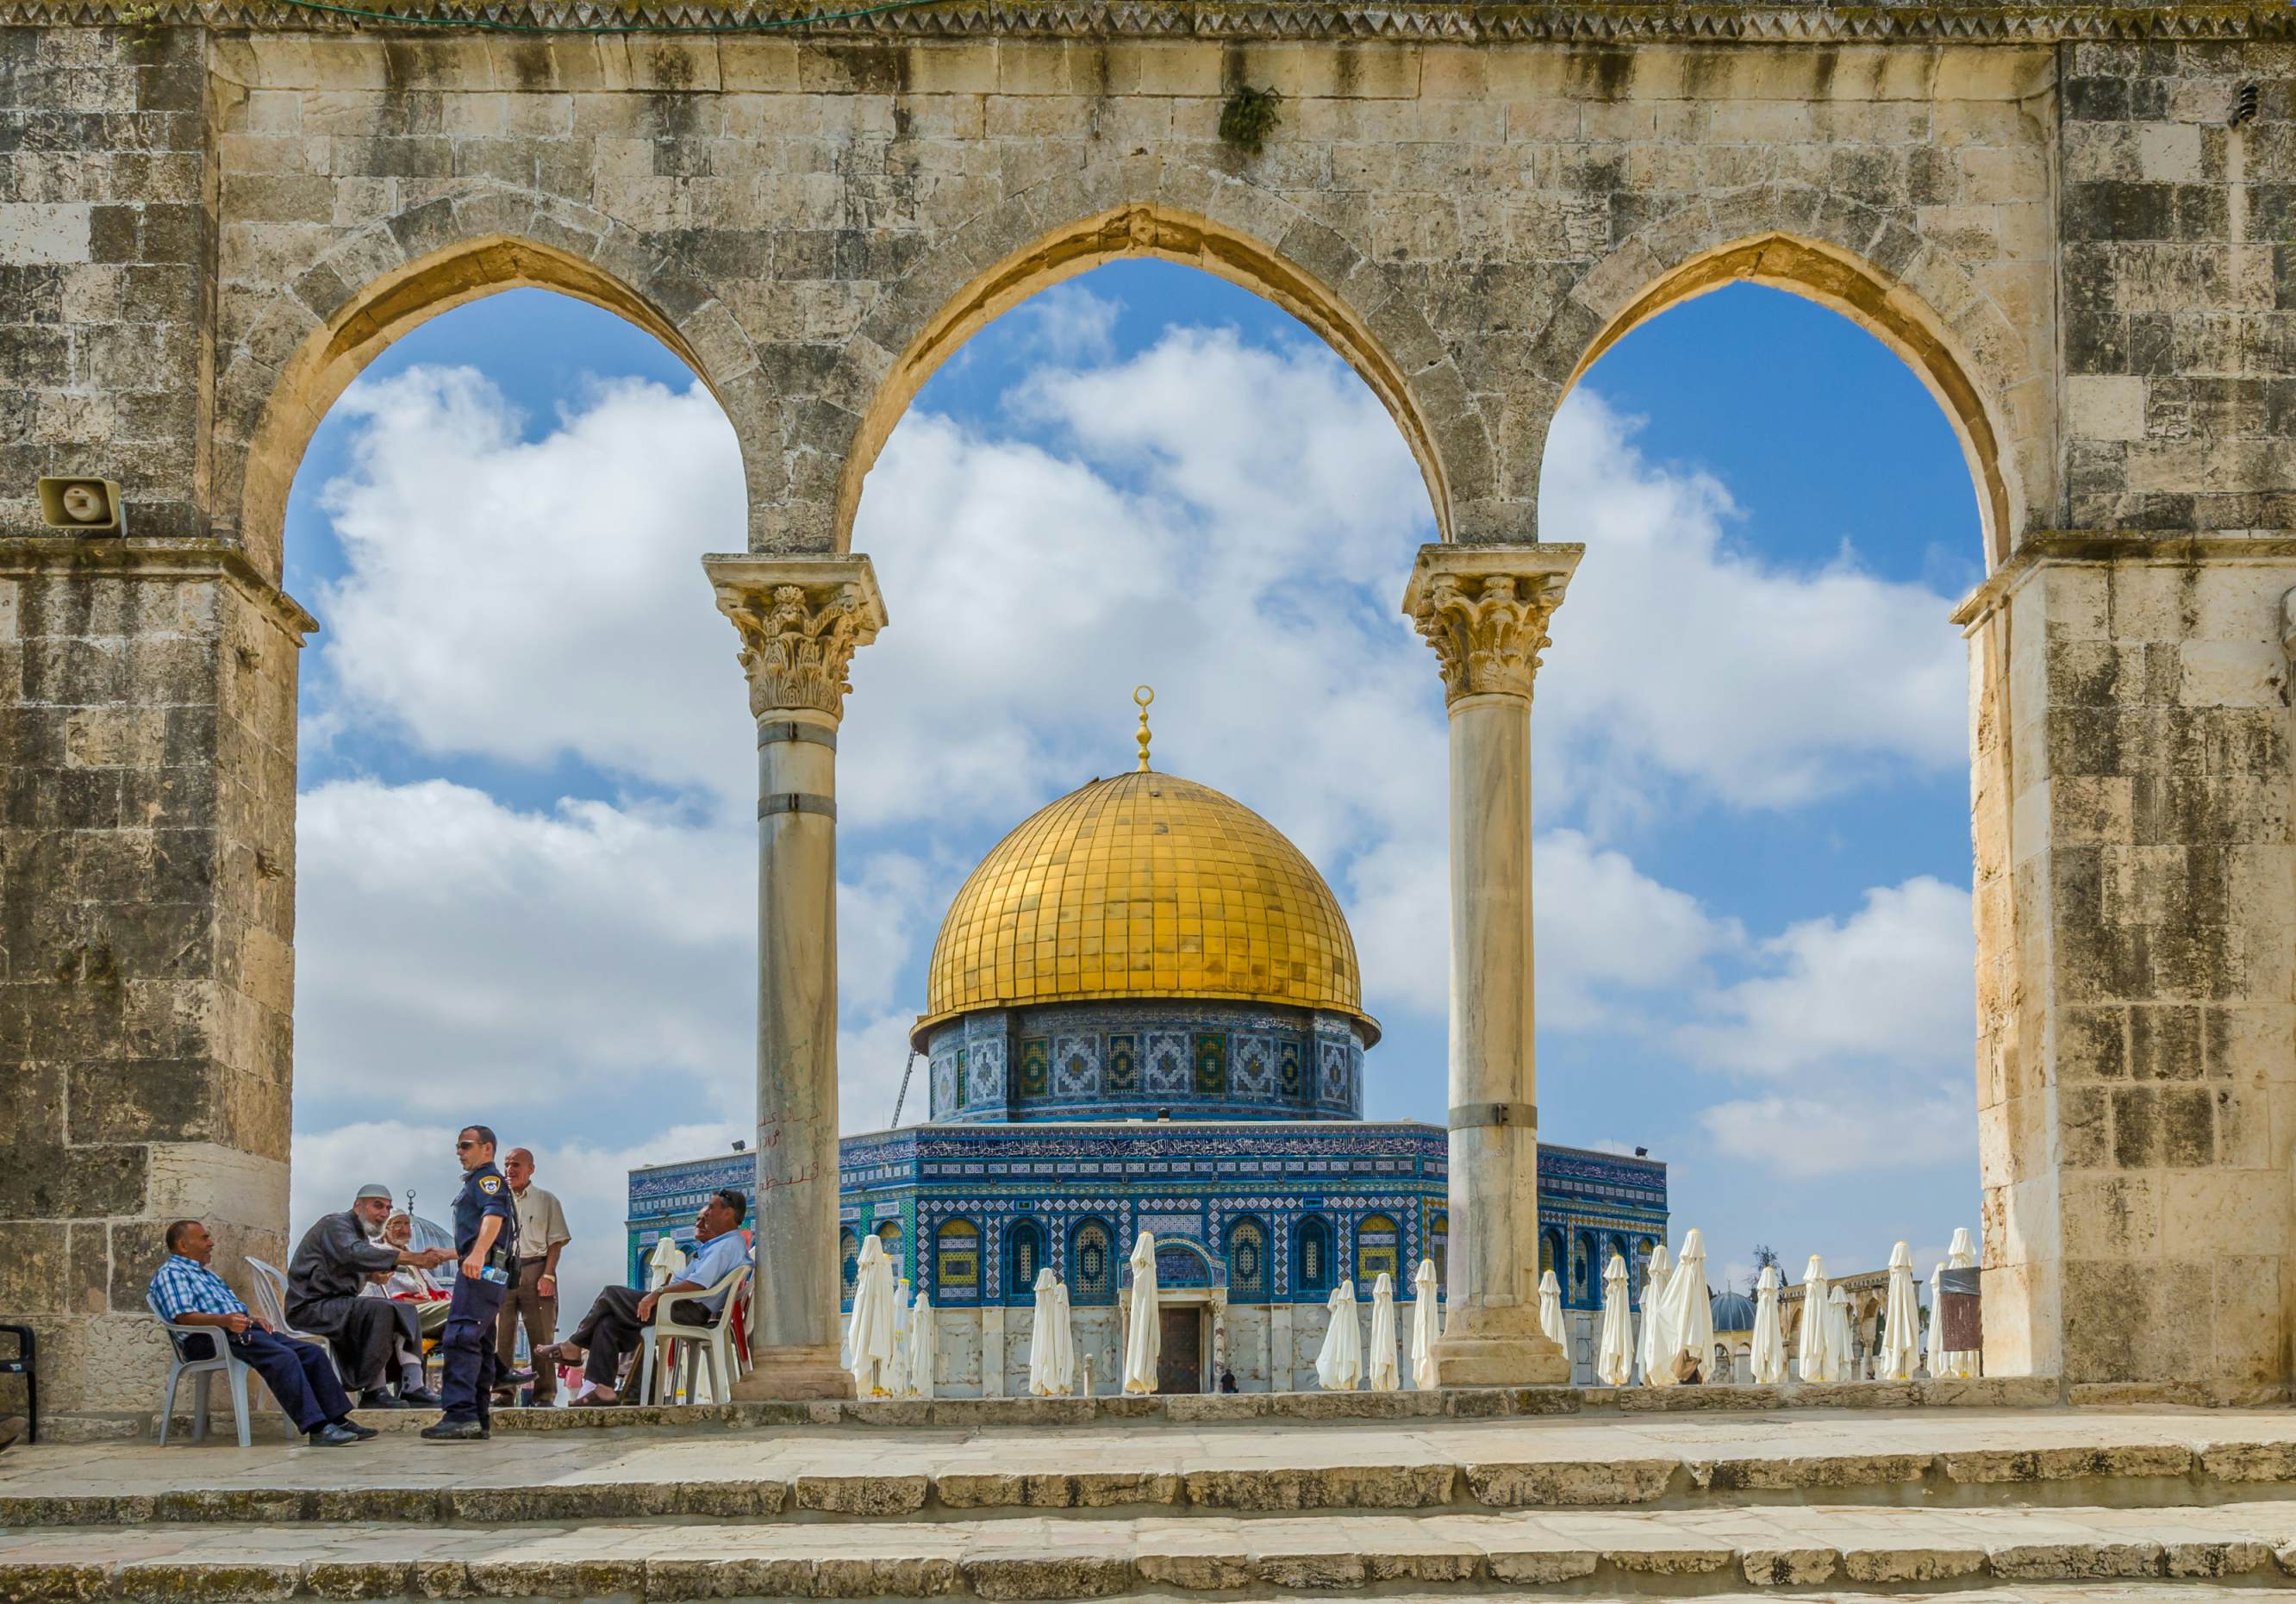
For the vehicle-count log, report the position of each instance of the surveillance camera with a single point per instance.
(83, 506)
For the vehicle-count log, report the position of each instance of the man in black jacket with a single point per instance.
(331, 1262)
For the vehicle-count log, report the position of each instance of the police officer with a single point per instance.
(486, 1236)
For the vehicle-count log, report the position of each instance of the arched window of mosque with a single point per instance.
(1315, 1255)
(849, 1258)
(1247, 1259)
(1377, 1245)
(1546, 1252)
(1582, 1265)
(889, 1233)
(958, 1269)
(1027, 1255)
(1089, 1279)
(1439, 1246)
(1638, 1265)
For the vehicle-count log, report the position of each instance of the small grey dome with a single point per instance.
(1734, 1311)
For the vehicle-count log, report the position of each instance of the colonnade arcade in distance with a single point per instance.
(816, 225)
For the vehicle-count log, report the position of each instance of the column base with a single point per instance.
(1499, 1347)
(793, 1374)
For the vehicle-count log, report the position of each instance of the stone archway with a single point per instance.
(346, 310)
(1958, 343)
(928, 331)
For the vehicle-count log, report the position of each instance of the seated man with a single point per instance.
(610, 1332)
(407, 1348)
(330, 1267)
(186, 1292)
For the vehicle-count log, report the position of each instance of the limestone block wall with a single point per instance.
(145, 855)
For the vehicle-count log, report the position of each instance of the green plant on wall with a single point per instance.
(1249, 118)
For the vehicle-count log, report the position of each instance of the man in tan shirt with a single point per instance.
(542, 1236)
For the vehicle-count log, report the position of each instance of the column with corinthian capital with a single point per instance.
(1484, 609)
(800, 619)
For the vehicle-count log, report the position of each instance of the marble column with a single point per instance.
(800, 619)
(1484, 609)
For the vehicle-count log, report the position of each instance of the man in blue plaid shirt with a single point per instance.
(299, 1374)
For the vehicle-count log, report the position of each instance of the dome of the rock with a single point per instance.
(1145, 885)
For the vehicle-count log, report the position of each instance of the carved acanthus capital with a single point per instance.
(1484, 609)
(801, 620)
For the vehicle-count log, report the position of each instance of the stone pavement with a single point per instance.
(2051, 1504)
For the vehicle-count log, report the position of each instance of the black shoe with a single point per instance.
(379, 1397)
(331, 1435)
(517, 1377)
(455, 1431)
(355, 1429)
(421, 1397)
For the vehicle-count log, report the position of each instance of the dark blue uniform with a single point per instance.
(468, 1342)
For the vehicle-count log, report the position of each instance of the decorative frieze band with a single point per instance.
(1257, 20)
(1484, 609)
(801, 620)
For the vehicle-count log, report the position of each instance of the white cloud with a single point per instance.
(592, 1181)
(1068, 324)
(1850, 1130)
(1606, 933)
(460, 958)
(529, 600)
(1678, 655)
(1893, 983)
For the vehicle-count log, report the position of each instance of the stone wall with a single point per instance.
(206, 228)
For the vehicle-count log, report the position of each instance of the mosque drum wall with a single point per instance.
(208, 224)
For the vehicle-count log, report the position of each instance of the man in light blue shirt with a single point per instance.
(617, 1321)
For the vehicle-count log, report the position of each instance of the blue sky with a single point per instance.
(524, 853)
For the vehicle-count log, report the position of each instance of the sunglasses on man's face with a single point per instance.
(461, 1146)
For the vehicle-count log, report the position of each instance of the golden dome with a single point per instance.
(1143, 886)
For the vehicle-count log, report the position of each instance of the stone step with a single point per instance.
(1944, 1460)
(1063, 1557)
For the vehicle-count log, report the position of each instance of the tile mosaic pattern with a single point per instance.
(1145, 884)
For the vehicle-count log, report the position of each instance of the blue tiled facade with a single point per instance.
(1274, 1213)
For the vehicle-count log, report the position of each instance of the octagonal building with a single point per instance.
(1144, 1012)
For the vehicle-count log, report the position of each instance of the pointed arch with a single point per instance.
(925, 318)
(303, 347)
(1971, 356)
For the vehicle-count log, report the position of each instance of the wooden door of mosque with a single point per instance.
(1180, 1366)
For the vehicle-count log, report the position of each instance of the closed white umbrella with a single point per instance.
(1685, 1327)
(1654, 1279)
(1840, 1343)
(896, 1374)
(1614, 1356)
(1936, 1357)
(1809, 1354)
(1769, 1357)
(869, 1334)
(924, 1349)
(1064, 1328)
(1338, 1363)
(1052, 1356)
(1550, 1306)
(1901, 1347)
(1144, 1343)
(1380, 1373)
(1961, 1256)
(1426, 1311)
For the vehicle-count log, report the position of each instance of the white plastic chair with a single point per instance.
(700, 1340)
(270, 1289)
(235, 1374)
